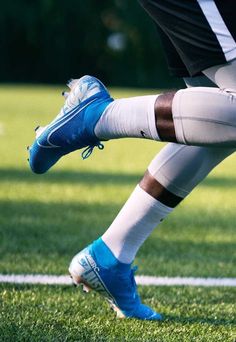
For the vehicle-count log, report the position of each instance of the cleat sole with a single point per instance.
(77, 280)
(86, 289)
(119, 313)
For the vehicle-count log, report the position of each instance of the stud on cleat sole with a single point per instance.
(86, 289)
(77, 280)
(39, 131)
(113, 307)
(119, 313)
(70, 83)
(73, 283)
(65, 94)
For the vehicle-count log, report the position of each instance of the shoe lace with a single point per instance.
(89, 150)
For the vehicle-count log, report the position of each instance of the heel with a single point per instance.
(78, 280)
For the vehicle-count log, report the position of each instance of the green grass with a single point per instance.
(45, 220)
(33, 313)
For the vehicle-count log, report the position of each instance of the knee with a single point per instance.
(205, 117)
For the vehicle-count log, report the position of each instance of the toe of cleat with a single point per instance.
(41, 160)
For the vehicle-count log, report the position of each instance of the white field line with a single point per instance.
(141, 280)
(1, 129)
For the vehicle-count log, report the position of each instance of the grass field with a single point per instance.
(45, 220)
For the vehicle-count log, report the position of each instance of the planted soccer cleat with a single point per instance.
(98, 269)
(73, 128)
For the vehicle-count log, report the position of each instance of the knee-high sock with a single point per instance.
(179, 169)
(134, 223)
(131, 117)
(202, 116)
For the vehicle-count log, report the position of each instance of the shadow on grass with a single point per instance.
(93, 177)
(70, 177)
(51, 229)
(201, 320)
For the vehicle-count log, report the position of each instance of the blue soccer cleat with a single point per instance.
(73, 128)
(96, 268)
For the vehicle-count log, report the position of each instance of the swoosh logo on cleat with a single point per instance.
(66, 119)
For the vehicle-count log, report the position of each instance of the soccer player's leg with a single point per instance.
(105, 266)
(169, 179)
(198, 116)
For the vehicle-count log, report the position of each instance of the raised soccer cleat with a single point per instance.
(97, 269)
(73, 128)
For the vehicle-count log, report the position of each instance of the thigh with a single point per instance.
(180, 168)
(201, 31)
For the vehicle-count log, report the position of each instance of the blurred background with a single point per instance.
(50, 41)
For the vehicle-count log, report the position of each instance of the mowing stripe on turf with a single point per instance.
(141, 280)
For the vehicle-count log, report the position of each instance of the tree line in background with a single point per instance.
(53, 40)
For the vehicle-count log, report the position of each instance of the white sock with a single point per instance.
(134, 223)
(131, 117)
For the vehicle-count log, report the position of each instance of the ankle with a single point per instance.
(106, 257)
